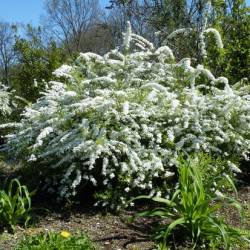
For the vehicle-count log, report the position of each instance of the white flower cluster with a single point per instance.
(119, 121)
(5, 108)
(129, 39)
(63, 71)
(217, 37)
(183, 31)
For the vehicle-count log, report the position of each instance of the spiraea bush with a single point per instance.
(118, 121)
(4, 102)
(5, 108)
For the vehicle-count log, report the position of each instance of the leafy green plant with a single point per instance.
(234, 25)
(192, 208)
(51, 240)
(36, 63)
(15, 205)
(217, 172)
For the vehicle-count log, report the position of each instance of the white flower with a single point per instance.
(112, 175)
(233, 167)
(35, 83)
(126, 108)
(32, 158)
(77, 180)
(155, 86)
(219, 194)
(158, 194)
(217, 37)
(127, 37)
(93, 180)
(5, 105)
(175, 103)
(222, 80)
(171, 136)
(202, 45)
(183, 31)
(43, 134)
(124, 167)
(63, 71)
(163, 53)
(168, 174)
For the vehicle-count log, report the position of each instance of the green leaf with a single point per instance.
(175, 223)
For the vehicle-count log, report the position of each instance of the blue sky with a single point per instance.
(24, 11)
(27, 11)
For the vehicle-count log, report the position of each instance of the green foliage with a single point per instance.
(233, 21)
(215, 172)
(55, 241)
(192, 208)
(172, 15)
(15, 205)
(36, 62)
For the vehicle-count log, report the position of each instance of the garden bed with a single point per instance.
(111, 231)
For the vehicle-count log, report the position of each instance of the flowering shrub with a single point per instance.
(5, 108)
(11, 106)
(4, 101)
(118, 121)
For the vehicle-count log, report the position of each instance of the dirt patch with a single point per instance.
(107, 231)
(110, 231)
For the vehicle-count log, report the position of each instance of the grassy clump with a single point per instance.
(51, 240)
(15, 205)
(193, 210)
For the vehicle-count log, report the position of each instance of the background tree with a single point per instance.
(233, 20)
(8, 33)
(74, 23)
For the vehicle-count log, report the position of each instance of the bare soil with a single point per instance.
(110, 231)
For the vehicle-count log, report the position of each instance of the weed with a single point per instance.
(192, 209)
(53, 240)
(15, 205)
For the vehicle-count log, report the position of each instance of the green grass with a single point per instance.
(55, 241)
(192, 209)
(15, 205)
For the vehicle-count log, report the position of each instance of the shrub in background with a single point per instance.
(119, 121)
(235, 26)
(36, 61)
